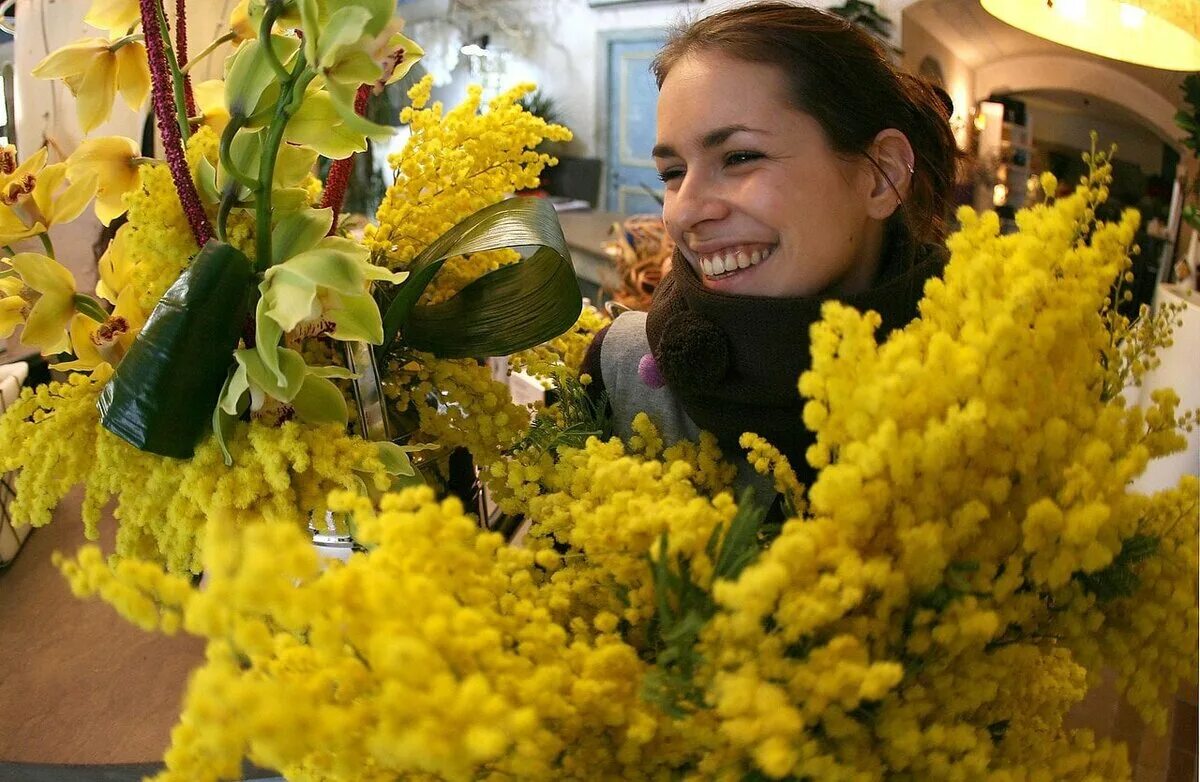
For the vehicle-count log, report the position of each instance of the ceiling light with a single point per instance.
(1158, 33)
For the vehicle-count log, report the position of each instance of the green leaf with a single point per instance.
(319, 401)
(248, 74)
(161, 396)
(510, 309)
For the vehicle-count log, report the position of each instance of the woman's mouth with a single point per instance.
(729, 261)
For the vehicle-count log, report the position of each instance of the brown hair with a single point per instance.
(843, 78)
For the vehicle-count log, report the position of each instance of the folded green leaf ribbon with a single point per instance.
(512, 308)
(161, 397)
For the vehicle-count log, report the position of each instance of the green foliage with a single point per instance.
(683, 607)
(1119, 579)
(162, 395)
(507, 310)
(572, 419)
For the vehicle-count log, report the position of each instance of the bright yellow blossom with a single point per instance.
(112, 161)
(116, 17)
(95, 69)
(50, 289)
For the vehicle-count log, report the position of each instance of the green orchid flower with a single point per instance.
(317, 284)
(349, 45)
(291, 389)
(292, 166)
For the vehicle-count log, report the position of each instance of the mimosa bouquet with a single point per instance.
(968, 561)
(231, 355)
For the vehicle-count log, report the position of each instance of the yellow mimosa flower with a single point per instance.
(111, 160)
(94, 69)
(50, 289)
(115, 17)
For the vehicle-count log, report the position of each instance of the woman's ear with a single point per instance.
(893, 172)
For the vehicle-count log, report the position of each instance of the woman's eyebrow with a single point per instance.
(713, 138)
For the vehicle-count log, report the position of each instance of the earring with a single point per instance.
(911, 169)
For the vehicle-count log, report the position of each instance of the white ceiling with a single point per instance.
(977, 38)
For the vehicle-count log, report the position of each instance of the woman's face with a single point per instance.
(756, 198)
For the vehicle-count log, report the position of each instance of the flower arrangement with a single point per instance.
(968, 560)
(236, 323)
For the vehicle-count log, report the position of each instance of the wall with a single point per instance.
(1068, 128)
(564, 60)
(46, 109)
(918, 43)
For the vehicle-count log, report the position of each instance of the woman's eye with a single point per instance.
(669, 174)
(735, 158)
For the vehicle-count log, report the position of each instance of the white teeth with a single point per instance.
(718, 264)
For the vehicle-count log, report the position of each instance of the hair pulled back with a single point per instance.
(841, 76)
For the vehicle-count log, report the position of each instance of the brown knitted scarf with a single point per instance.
(733, 362)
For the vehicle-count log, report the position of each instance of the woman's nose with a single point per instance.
(694, 202)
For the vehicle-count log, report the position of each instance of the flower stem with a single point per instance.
(189, 99)
(338, 178)
(181, 111)
(171, 136)
(207, 50)
(49, 245)
(90, 307)
(291, 94)
(274, 7)
(236, 122)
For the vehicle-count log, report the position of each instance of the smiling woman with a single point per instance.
(800, 167)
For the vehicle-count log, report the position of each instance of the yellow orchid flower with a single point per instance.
(210, 102)
(112, 161)
(33, 196)
(12, 305)
(94, 69)
(243, 26)
(95, 343)
(116, 17)
(57, 204)
(116, 271)
(17, 181)
(50, 291)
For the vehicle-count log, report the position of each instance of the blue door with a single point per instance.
(631, 102)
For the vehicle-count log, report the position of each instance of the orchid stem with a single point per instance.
(236, 121)
(207, 50)
(291, 93)
(181, 112)
(264, 35)
(49, 245)
(88, 306)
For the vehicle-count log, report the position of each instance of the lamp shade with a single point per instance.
(1158, 33)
